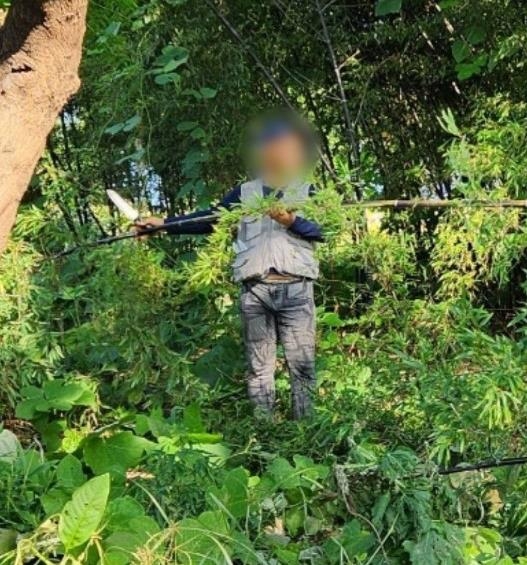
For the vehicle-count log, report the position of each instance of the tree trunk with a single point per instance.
(40, 53)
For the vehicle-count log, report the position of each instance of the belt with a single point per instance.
(276, 278)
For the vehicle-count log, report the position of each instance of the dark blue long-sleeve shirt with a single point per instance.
(301, 227)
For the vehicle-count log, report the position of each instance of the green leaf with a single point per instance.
(460, 50)
(441, 545)
(113, 28)
(218, 453)
(121, 511)
(353, 541)
(467, 70)
(187, 126)
(114, 454)
(27, 409)
(165, 79)
(305, 473)
(244, 549)
(476, 35)
(54, 500)
(198, 133)
(331, 319)
(379, 509)
(448, 122)
(61, 395)
(9, 446)
(233, 495)
(7, 540)
(202, 540)
(69, 472)
(294, 520)
(132, 123)
(115, 129)
(385, 7)
(172, 54)
(31, 392)
(192, 418)
(82, 516)
(208, 92)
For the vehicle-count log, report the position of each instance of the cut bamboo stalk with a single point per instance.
(417, 203)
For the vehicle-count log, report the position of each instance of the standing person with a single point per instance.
(274, 262)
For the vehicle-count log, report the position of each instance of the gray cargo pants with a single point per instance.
(283, 312)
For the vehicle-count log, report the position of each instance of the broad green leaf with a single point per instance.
(114, 454)
(187, 126)
(352, 542)
(476, 34)
(27, 409)
(51, 431)
(203, 438)
(121, 511)
(460, 50)
(294, 520)
(218, 453)
(172, 58)
(244, 550)
(331, 319)
(203, 540)
(467, 70)
(61, 395)
(31, 392)
(9, 446)
(165, 79)
(385, 7)
(113, 28)
(7, 540)
(233, 496)
(441, 545)
(198, 133)
(54, 500)
(132, 123)
(208, 92)
(69, 472)
(192, 418)
(81, 517)
(115, 129)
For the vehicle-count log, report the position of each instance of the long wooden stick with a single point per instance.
(412, 204)
(382, 204)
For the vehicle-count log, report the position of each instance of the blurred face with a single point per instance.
(282, 159)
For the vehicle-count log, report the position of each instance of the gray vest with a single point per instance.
(264, 244)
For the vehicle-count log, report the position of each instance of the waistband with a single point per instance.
(275, 279)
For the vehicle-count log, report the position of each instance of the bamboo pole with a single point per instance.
(367, 204)
(418, 203)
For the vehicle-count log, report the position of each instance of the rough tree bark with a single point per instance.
(40, 53)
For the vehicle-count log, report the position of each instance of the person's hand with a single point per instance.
(282, 216)
(146, 223)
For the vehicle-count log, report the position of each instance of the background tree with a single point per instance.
(40, 52)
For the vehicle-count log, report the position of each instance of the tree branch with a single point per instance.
(265, 71)
(350, 134)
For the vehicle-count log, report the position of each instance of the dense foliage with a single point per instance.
(126, 434)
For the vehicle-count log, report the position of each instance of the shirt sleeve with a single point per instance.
(201, 227)
(310, 231)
